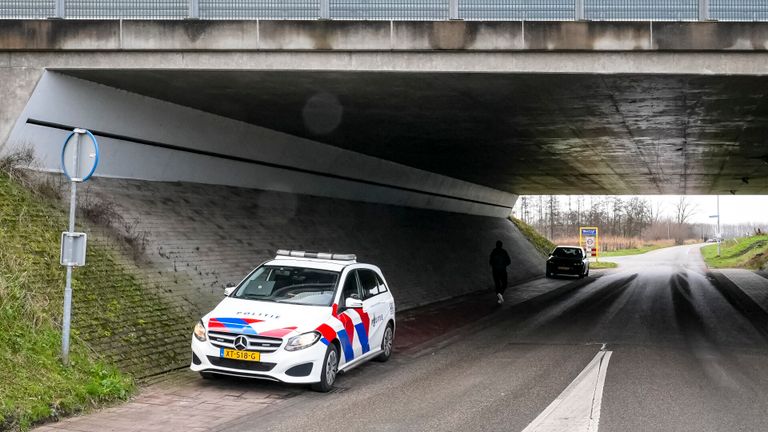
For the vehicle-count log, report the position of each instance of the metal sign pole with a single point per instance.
(719, 236)
(68, 287)
(78, 167)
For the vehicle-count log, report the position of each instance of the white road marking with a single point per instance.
(577, 409)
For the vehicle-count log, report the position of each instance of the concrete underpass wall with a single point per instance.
(213, 198)
(202, 236)
(148, 139)
(16, 86)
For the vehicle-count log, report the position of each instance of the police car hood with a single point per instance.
(267, 319)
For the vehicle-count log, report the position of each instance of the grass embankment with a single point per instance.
(541, 243)
(634, 251)
(602, 265)
(749, 253)
(611, 246)
(34, 386)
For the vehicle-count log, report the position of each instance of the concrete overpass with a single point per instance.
(515, 107)
(407, 143)
(424, 133)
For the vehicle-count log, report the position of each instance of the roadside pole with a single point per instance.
(717, 233)
(65, 327)
(719, 236)
(78, 161)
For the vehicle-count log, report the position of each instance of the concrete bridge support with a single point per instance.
(16, 87)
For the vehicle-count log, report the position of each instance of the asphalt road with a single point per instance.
(683, 359)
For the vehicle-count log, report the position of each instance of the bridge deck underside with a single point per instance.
(522, 133)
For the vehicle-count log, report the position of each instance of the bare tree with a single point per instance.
(655, 210)
(684, 209)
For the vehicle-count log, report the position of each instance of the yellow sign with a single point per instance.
(241, 355)
(589, 239)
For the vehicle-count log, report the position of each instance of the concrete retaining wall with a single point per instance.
(16, 86)
(201, 237)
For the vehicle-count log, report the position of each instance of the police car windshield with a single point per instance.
(296, 285)
(567, 253)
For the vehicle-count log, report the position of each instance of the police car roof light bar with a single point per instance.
(317, 255)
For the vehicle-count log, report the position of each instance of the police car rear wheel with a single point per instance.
(330, 368)
(387, 343)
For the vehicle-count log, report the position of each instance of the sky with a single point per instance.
(734, 209)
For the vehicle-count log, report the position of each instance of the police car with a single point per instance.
(299, 318)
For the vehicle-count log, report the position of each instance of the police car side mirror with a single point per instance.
(228, 290)
(352, 303)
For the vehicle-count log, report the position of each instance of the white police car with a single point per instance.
(299, 318)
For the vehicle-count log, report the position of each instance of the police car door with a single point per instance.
(375, 306)
(353, 337)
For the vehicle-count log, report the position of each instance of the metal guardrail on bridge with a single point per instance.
(432, 10)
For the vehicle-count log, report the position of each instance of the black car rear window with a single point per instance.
(567, 253)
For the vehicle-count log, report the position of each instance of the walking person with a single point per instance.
(499, 262)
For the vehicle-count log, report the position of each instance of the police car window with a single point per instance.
(382, 287)
(351, 288)
(368, 283)
(295, 285)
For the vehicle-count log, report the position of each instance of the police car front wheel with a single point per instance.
(330, 368)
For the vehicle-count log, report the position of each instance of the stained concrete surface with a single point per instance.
(202, 237)
(16, 86)
(521, 133)
(360, 35)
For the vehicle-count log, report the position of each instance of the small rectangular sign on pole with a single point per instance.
(73, 248)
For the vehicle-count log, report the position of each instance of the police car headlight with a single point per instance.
(199, 331)
(302, 341)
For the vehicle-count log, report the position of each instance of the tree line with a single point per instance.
(560, 216)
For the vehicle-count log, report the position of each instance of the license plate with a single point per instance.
(563, 268)
(240, 355)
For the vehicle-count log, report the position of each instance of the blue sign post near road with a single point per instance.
(79, 158)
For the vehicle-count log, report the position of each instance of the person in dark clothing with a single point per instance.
(499, 262)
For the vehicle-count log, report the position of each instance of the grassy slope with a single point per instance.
(748, 252)
(602, 265)
(33, 384)
(633, 251)
(541, 243)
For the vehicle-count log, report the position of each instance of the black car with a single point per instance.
(568, 260)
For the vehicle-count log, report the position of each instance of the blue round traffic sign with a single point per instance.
(80, 155)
